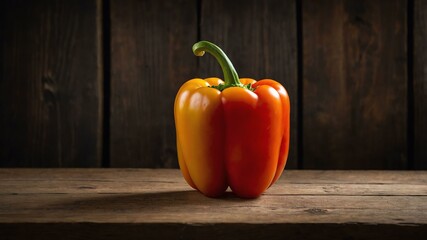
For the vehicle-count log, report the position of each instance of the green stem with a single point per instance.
(231, 78)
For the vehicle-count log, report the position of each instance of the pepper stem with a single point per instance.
(231, 78)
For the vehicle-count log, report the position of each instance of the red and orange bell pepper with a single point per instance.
(233, 132)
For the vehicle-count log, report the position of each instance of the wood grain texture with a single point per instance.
(420, 84)
(158, 204)
(50, 84)
(150, 59)
(354, 84)
(260, 39)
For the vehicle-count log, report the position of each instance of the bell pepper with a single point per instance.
(233, 132)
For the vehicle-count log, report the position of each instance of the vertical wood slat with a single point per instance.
(261, 40)
(50, 84)
(355, 84)
(150, 59)
(420, 84)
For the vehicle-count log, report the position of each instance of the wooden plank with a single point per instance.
(158, 203)
(66, 187)
(151, 58)
(420, 84)
(191, 207)
(50, 84)
(292, 183)
(261, 40)
(172, 176)
(354, 84)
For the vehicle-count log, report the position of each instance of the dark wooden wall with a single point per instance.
(355, 84)
(91, 83)
(51, 83)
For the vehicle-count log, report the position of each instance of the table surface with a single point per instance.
(158, 204)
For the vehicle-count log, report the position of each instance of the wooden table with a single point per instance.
(158, 204)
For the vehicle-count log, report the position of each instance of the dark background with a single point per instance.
(91, 83)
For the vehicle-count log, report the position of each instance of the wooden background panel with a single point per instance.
(354, 63)
(50, 84)
(354, 84)
(420, 84)
(260, 39)
(150, 59)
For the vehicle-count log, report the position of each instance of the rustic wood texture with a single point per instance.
(50, 84)
(353, 59)
(354, 84)
(261, 40)
(150, 59)
(420, 84)
(158, 204)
